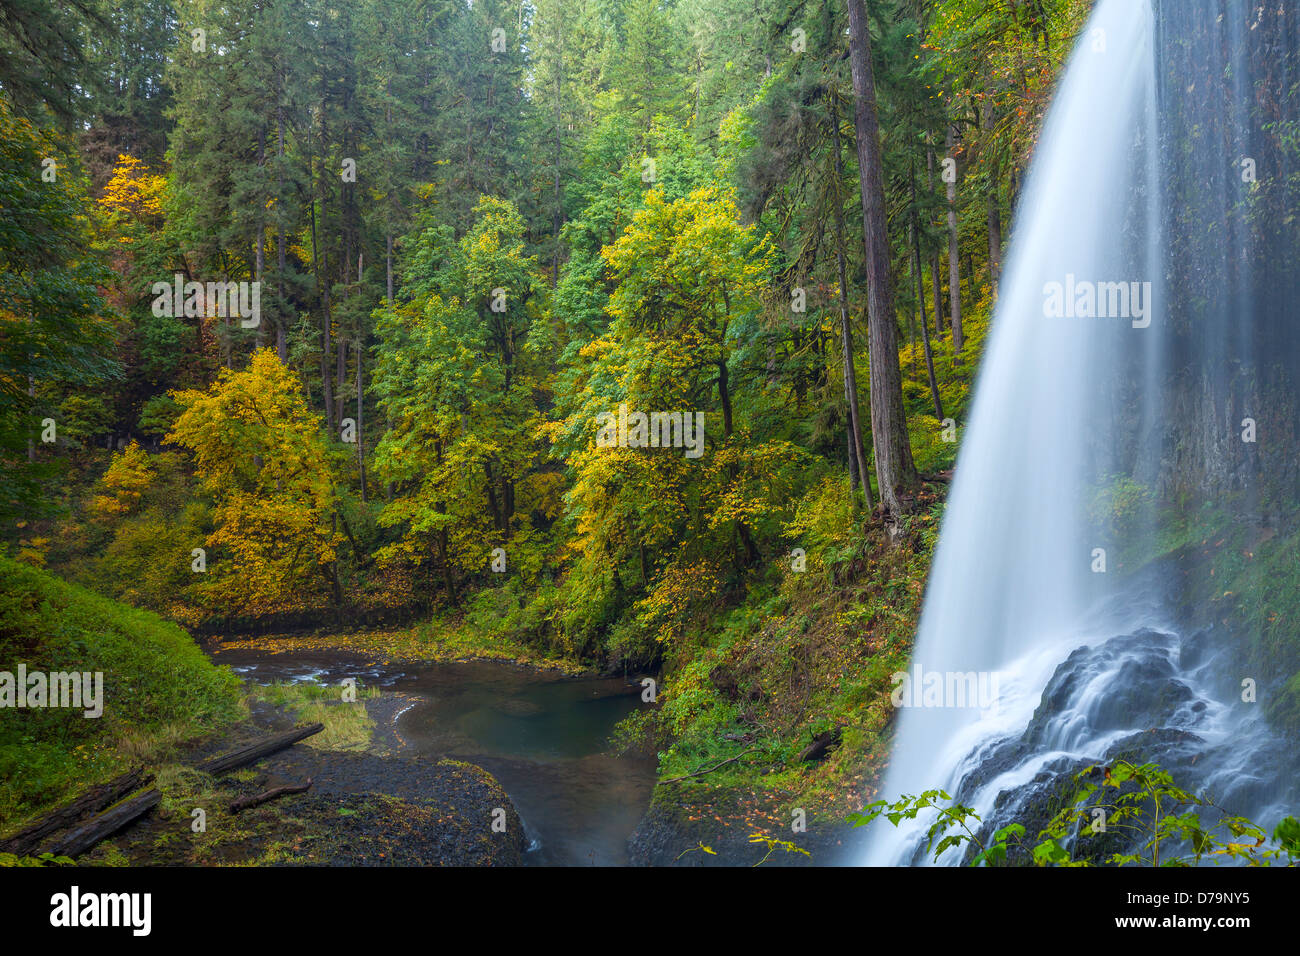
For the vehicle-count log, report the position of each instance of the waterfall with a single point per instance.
(1135, 329)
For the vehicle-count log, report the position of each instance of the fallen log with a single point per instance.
(93, 800)
(81, 839)
(257, 799)
(256, 751)
(821, 745)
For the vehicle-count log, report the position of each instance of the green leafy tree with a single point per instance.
(457, 376)
(57, 331)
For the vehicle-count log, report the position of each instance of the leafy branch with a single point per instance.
(1139, 800)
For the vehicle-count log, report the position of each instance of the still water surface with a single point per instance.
(544, 737)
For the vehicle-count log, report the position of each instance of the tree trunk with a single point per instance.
(895, 471)
(31, 394)
(724, 396)
(321, 268)
(954, 257)
(857, 454)
(92, 801)
(257, 799)
(493, 504)
(389, 263)
(361, 433)
(934, 259)
(341, 371)
(920, 297)
(911, 312)
(995, 236)
(557, 215)
(78, 841)
(260, 262)
(993, 199)
(281, 343)
(327, 396)
(444, 545)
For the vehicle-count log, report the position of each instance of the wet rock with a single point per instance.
(1141, 687)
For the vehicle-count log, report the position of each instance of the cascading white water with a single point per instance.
(1148, 306)
(1013, 581)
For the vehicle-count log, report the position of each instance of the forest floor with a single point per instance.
(366, 805)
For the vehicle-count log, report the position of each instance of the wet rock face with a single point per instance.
(1140, 683)
(1233, 342)
(1035, 805)
(1127, 683)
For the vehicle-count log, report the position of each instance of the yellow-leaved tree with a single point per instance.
(660, 524)
(260, 453)
(134, 193)
(129, 475)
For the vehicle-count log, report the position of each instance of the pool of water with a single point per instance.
(543, 736)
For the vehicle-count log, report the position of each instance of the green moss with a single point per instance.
(158, 688)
